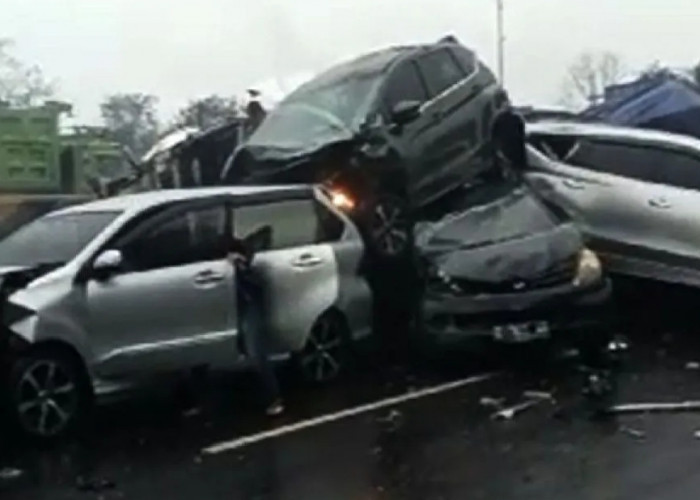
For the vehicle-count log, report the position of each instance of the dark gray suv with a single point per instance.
(390, 130)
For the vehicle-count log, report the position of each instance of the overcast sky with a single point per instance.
(179, 50)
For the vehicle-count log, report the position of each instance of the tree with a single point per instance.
(590, 74)
(21, 85)
(131, 120)
(207, 112)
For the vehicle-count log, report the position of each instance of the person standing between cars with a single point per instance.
(249, 293)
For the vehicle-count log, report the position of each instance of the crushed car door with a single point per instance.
(171, 305)
(607, 187)
(300, 276)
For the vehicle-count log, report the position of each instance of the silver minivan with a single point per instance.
(100, 296)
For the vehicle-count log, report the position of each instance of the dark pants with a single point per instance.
(255, 338)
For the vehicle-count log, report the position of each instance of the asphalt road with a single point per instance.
(440, 445)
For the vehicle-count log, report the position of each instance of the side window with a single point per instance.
(330, 226)
(680, 170)
(440, 71)
(293, 223)
(404, 84)
(465, 58)
(626, 160)
(192, 236)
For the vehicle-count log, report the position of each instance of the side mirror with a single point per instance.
(405, 112)
(107, 262)
(508, 134)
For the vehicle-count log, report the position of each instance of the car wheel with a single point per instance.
(325, 354)
(48, 395)
(389, 227)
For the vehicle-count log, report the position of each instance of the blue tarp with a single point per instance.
(665, 102)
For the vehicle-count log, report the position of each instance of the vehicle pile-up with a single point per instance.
(403, 166)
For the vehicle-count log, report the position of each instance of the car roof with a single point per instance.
(140, 201)
(611, 131)
(377, 61)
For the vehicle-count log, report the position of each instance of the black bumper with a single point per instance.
(572, 314)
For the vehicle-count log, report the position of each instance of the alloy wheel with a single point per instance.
(46, 398)
(321, 359)
(389, 228)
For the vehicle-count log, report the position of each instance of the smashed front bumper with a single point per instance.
(567, 311)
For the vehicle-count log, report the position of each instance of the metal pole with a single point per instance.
(500, 41)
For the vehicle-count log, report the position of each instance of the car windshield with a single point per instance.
(318, 114)
(53, 238)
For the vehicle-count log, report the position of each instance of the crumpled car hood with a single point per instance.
(513, 238)
(512, 260)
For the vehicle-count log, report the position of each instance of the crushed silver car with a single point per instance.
(100, 296)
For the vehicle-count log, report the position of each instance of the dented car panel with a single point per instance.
(508, 263)
(622, 185)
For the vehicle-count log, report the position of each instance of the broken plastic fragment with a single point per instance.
(635, 433)
(651, 407)
(543, 395)
(490, 402)
(509, 413)
(10, 473)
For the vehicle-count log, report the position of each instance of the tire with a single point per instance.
(388, 228)
(48, 394)
(326, 355)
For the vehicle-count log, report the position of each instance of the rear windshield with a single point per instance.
(53, 239)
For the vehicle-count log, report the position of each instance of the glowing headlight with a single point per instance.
(342, 200)
(589, 269)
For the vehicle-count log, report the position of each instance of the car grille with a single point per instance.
(560, 274)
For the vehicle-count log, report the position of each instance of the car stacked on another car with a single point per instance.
(101, 296)
(391, 130)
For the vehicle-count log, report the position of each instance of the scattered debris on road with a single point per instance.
(655, 407)
(509, 413)
(635, 433)
(490, 402)
(543, 395)
(692, 365)
(10, 473)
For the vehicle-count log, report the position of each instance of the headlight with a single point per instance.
(589, 269)
(342, 200)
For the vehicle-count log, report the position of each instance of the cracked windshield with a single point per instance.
(331, 250)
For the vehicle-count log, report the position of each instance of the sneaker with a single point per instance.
(275, 409)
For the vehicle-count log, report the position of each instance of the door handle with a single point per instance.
(572, 184)
(307, 260)
(659, 203)
(208, 277)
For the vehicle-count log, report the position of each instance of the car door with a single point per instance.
(608, 186)
(300, 274)
(412, 140)
(171, 304)
(455, 132)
